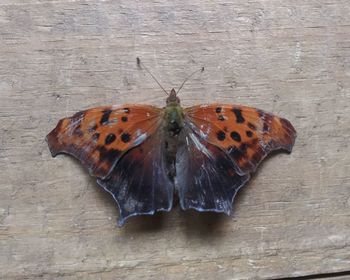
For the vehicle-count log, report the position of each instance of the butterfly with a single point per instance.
(144, 155)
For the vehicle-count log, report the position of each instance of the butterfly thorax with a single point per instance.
(173, 114)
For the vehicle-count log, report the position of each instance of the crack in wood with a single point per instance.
(316, 276)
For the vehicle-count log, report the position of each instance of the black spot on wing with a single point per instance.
(235, 136)
(221, 135)
(125, 137)
(110, 139)
(109, 155)
(249, 133)
(221, 118)
(238, 114)
(124, 119)
(105, 117)
(251, 126)
(218, 110)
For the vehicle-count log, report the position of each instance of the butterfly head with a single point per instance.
(172, 98)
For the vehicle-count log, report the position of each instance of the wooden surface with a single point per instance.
(289, 57)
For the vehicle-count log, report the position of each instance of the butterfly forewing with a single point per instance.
(100, 136)
(246, 134)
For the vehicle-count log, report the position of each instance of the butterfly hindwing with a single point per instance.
(139, 182)
(99, 137)
(205, 175)
(246, 134)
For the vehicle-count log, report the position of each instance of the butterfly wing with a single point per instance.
(205, 175)
(99, 137)
(139, 182)
(246, 134)
(124, 148)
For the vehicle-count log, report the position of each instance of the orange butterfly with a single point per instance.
(142, 154)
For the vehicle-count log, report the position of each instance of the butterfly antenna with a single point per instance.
(195, 72)
(141, 65)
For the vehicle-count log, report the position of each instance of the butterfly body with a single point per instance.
(142, 154)
(173, 120)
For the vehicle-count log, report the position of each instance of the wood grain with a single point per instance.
(288, 57)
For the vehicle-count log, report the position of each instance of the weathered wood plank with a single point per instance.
(288, 57)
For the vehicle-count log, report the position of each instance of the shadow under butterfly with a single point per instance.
(143, 155)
